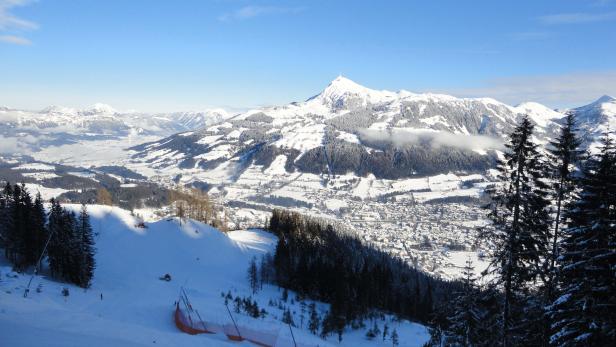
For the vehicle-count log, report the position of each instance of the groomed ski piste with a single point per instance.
(129, 305)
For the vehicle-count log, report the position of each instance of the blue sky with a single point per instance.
(190, 55)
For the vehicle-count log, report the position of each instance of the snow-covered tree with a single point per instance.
(564, 155)
(520, 226)
(466, 315)
(585, 312)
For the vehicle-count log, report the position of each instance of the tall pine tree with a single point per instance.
(39, 228)
(564, 155)
(86, 250)
(60, 228)
(22, 226)
(520, 228)
(253, 275)
(19, 235)
(466, 315)
(585, 312)
(6, 219)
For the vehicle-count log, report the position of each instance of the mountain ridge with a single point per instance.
(360, 121)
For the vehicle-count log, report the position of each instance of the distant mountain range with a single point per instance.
(348, 128)
(56, 125)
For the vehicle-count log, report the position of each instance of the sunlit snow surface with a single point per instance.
(136, 308)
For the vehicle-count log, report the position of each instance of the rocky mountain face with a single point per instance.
(348, 128)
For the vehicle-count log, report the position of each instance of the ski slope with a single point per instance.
(136, 307)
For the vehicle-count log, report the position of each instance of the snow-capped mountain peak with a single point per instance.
(342, 92)
(605, 106)
(342, 85)
(100, 108)
(604, 99)
(539, 113)
(55, 109)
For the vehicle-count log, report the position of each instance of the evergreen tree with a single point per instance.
(64, 249)
(315, 259)
(564, 155)
(264, 267)
(253, 278)
(466, 316)
(327, 325)
(488, 308)
(313, 323)
(6, 221)
(302, 305)
(385, 331)
(376, 329)
(72, 268)
(39, 227)
(20, 234)
(287, 317)
(394, 338)
(24, 232)
(520, 227)
(585, 312)
(55, 249)
(9, 236)
(86, 250)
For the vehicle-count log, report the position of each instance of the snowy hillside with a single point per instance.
(128, 305)
(596, 118)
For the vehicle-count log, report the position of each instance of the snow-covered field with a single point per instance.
(92, 153)
(128, 305)
(46, 193)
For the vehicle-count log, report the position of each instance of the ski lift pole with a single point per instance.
(200, 319)
(187, 304)
(38, 263)
(233, 320)
(292, 336)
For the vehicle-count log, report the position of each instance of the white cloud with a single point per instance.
(575, 18)
(404, 137)
(11, 24)
(16, 40)
(565, 90)
(17, 145)
(256, 11)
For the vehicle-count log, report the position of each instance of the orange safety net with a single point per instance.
(240, 333)
(186, 325)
